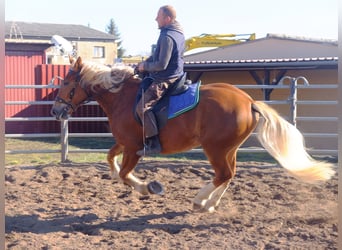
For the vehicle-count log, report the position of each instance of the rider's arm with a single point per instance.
(166, 46)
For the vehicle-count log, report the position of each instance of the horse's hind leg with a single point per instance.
(112, 158)
(209, 197)
(224, 166)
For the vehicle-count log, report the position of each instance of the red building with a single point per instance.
(26, 64)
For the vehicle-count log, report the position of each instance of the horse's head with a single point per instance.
(70, 94)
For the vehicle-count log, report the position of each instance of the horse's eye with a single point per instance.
(66, 83)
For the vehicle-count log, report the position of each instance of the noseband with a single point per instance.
(69, 104)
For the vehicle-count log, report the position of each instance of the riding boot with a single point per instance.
(152, 146)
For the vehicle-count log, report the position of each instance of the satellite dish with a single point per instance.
(64, 46)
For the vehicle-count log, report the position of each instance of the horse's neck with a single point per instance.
(121, 102)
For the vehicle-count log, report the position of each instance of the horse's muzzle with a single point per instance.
(60, 112)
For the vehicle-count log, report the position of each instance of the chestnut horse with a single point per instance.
(224, 118)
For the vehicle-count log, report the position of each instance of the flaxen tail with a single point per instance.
(286, 144)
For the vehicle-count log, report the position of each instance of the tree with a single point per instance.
(113, 30)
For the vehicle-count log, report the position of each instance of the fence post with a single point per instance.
(293, 101)
(64, 140)
(293, 97)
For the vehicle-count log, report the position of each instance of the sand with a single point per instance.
(77, 206)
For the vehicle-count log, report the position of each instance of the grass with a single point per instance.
(54, 144)
(91, 143)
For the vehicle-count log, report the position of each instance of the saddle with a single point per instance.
(182, 96)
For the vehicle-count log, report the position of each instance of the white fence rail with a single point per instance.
(292, 102)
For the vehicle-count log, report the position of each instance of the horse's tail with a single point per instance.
(285, 143)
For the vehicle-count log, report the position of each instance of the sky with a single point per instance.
(135, 19)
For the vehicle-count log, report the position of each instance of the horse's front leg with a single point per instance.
(129, 161)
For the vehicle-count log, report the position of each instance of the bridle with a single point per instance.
(90, 96)
(69, 103)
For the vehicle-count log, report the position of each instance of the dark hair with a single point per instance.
(169, 11)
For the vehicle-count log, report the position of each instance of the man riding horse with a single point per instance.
(165, 66)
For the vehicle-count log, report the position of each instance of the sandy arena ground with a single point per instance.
(77, 206)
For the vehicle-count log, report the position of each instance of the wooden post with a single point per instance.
(64, 140)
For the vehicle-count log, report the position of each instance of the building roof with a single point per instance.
(273, 51)
(44, 31)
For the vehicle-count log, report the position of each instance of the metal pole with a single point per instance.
(294, 87)
(293, 101)
(292, 97)
(64, 140)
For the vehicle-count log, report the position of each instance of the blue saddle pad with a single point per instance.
(184, 102)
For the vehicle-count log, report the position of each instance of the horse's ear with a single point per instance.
(78, 64)
(71, 60)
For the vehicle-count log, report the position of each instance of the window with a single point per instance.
(99, 52)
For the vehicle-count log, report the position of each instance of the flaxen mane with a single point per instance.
(101, 76)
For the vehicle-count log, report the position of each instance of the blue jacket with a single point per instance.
(167, 60)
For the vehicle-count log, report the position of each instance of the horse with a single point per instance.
(223, 119)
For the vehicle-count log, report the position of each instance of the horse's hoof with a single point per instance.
(198, 208)
(202, 209)
(155, 187)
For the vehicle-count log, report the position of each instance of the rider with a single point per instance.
(165, 66)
